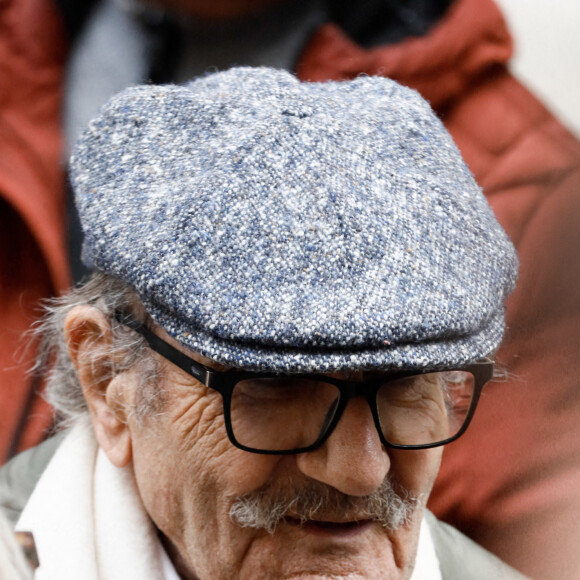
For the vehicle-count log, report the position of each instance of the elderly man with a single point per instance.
(296, 289)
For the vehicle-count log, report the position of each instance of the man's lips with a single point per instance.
(331, 528)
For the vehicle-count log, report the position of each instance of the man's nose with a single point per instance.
(353, 459)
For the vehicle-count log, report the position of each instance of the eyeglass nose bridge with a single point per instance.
(350, 390)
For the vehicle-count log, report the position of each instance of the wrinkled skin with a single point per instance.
(189, 474)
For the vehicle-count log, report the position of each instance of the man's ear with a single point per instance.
(89, 338)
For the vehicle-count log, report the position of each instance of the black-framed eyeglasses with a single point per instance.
(278, 414)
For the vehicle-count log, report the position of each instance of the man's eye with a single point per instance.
(266, 389)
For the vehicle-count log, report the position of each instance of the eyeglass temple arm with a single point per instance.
(163, 348)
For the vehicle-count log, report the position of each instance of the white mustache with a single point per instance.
(267, 507)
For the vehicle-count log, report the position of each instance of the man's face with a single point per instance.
(189, 476)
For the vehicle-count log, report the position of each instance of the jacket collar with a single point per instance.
(470, 39)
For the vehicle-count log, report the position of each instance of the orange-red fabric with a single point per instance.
(32, 257)
(513, 481)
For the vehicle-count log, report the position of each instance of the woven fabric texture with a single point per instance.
(273, 224)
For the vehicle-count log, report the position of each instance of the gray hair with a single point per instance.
(63, 389)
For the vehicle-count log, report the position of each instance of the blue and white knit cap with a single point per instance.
(298, 227)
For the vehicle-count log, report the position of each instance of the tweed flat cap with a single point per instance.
(272, 224)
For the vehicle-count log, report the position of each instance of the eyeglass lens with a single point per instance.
(286, 413)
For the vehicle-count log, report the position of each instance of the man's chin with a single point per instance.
(326, 549)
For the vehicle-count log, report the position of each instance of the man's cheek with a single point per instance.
(195, 421)
(415, 470)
